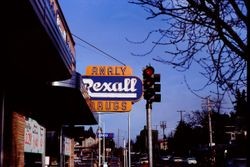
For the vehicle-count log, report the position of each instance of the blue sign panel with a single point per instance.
(127, 88)
(106, 135)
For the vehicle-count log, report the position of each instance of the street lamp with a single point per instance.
(101, 133)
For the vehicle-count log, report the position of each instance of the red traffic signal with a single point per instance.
(148, 77)
(148, 71)
(150, 86)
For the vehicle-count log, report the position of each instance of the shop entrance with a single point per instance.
(32, 160)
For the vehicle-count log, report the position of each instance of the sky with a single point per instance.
(107, 24)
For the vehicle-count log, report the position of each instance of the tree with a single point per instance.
(241, 103)
(222, 124)
(198, 120)
(241, 109)
(211, 33)
(183, 139)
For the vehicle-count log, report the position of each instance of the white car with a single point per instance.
(177, 159)
(191, 161)
(144, 160)
(166, 157)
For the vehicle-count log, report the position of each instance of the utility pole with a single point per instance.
(209, 109)
(103, 138)
(208, 106)
(118, 136)
(181, 119)
(156, 127)
(209, 122)
(163, 125)
(124, 153)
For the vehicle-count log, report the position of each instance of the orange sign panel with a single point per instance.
(108, 71)
(110, 106)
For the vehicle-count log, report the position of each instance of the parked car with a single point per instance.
(191, 161)
(177, 159)
(237, 162)
(165, 157)
(144, 160)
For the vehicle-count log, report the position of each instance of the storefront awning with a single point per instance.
(52, 105)
(68, 107)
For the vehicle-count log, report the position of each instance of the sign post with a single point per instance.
(112, 89)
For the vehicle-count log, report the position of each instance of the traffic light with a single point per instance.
(150, 85)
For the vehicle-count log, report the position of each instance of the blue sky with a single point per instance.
(106, 24)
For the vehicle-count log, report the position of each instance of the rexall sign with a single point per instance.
(112, 88)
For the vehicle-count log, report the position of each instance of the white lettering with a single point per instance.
(107, 86)
(123, 89)
(88, 83)
(97, 86)
(127, 86)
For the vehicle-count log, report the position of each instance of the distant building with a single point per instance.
(86, 154)
(234, 134)
(89, 142)
(163, 144)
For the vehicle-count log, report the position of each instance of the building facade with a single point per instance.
(40, 89)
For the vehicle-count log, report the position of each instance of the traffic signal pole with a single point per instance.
(150, 148)
(150, 87)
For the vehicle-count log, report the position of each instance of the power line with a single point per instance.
(99, 50)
